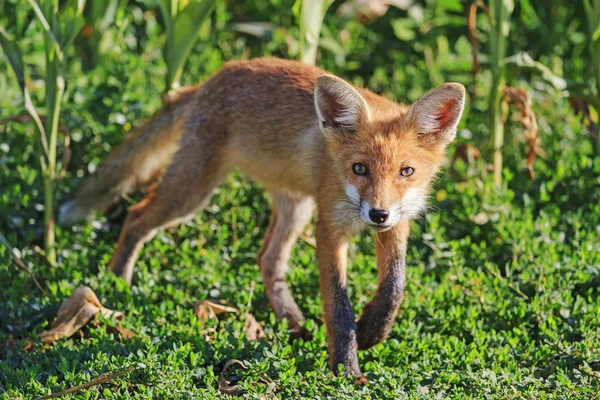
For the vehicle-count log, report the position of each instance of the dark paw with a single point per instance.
(349, 367)
(367, 338)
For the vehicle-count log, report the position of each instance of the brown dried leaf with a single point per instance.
(206, 310)
(471, 23)
(252, 327)
(75, 312)
(28, 345)
(522, 101)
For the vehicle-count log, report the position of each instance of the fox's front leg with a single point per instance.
(379, 314)
(332, 248)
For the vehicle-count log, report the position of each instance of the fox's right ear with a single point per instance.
(437, 114)
(339, 105)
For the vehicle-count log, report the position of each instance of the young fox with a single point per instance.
(312, 140)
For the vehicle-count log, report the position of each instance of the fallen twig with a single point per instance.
(106, 377)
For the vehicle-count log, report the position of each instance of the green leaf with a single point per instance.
(404, 29)
(524, 60)
(311, 19)
(13, 53)
(165, 11)
(15, 57)
(451, 5)
(183, 35)
(596, 34)
(47, 28)
(71, 21)
(296, 8)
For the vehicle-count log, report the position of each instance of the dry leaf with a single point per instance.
(75, 312)
(519, 98)
(28, 345)
(252, 327)
(471, 23)
(206, 310)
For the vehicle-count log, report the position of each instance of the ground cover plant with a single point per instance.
(503, 282)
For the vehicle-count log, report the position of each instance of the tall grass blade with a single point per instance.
(182, 31)
(311, 14)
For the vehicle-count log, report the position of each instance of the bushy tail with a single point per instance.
(146, 151)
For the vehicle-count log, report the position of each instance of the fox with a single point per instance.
(314, 142)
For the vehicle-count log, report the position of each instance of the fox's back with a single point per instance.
(261, 114)
(265, 111)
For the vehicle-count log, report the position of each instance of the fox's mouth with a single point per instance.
(379, 228)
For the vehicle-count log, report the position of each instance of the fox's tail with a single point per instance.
(145, 152)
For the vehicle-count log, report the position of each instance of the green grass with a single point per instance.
(505, 307)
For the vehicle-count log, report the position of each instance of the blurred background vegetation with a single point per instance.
(549, 48)
(504, 273)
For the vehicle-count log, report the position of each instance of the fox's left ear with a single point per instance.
(437, 114)
(339, 106)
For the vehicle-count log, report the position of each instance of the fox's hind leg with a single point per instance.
(196, 169)
(289, 217)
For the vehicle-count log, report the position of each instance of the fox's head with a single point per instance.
(387, 155)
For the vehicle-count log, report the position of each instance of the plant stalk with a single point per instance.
(500, 11)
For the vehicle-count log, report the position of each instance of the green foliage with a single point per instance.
(183, 19)
(59, 33)
(99, 16)
(592, 9)
(310, 14)
(503, 283)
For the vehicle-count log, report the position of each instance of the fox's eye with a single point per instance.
(359, 169)
(408, 171)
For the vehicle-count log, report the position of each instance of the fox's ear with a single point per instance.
(339, 105)
(438, 112)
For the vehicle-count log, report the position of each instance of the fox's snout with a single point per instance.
(378, 216)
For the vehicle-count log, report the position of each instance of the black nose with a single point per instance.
(378, 216)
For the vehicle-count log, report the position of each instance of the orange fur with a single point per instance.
(300, 132)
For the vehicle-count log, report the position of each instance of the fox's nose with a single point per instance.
(378, 216)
